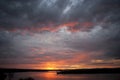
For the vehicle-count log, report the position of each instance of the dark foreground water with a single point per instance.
(54, 76)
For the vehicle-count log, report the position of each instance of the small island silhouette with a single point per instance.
(91, 71)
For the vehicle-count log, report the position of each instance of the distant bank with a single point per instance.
(91, 71)
(12, 70)
(70, 71)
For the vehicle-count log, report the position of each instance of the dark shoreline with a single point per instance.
(12, 70)
(65, 71)
(91, 71)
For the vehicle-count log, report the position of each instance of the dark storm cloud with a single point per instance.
(98, 39)
(5, 43)
(7, 48)
(15, 13)
(113, 43)
(21, 14)
(102, 37)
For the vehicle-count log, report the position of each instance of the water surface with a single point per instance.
(54, 76)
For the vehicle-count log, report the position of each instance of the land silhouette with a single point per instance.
(9, 73)
(81, 71)
(91, 71)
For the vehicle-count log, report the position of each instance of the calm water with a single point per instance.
(54, 76)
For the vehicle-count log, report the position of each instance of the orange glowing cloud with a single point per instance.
(53, 27)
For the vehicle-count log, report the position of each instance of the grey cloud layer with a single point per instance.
(19, 13)
(103, 37)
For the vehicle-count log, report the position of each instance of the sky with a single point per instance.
(59, 34)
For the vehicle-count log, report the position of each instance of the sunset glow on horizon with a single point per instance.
(59, 34)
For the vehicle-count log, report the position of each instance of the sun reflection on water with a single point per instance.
(50, 75)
